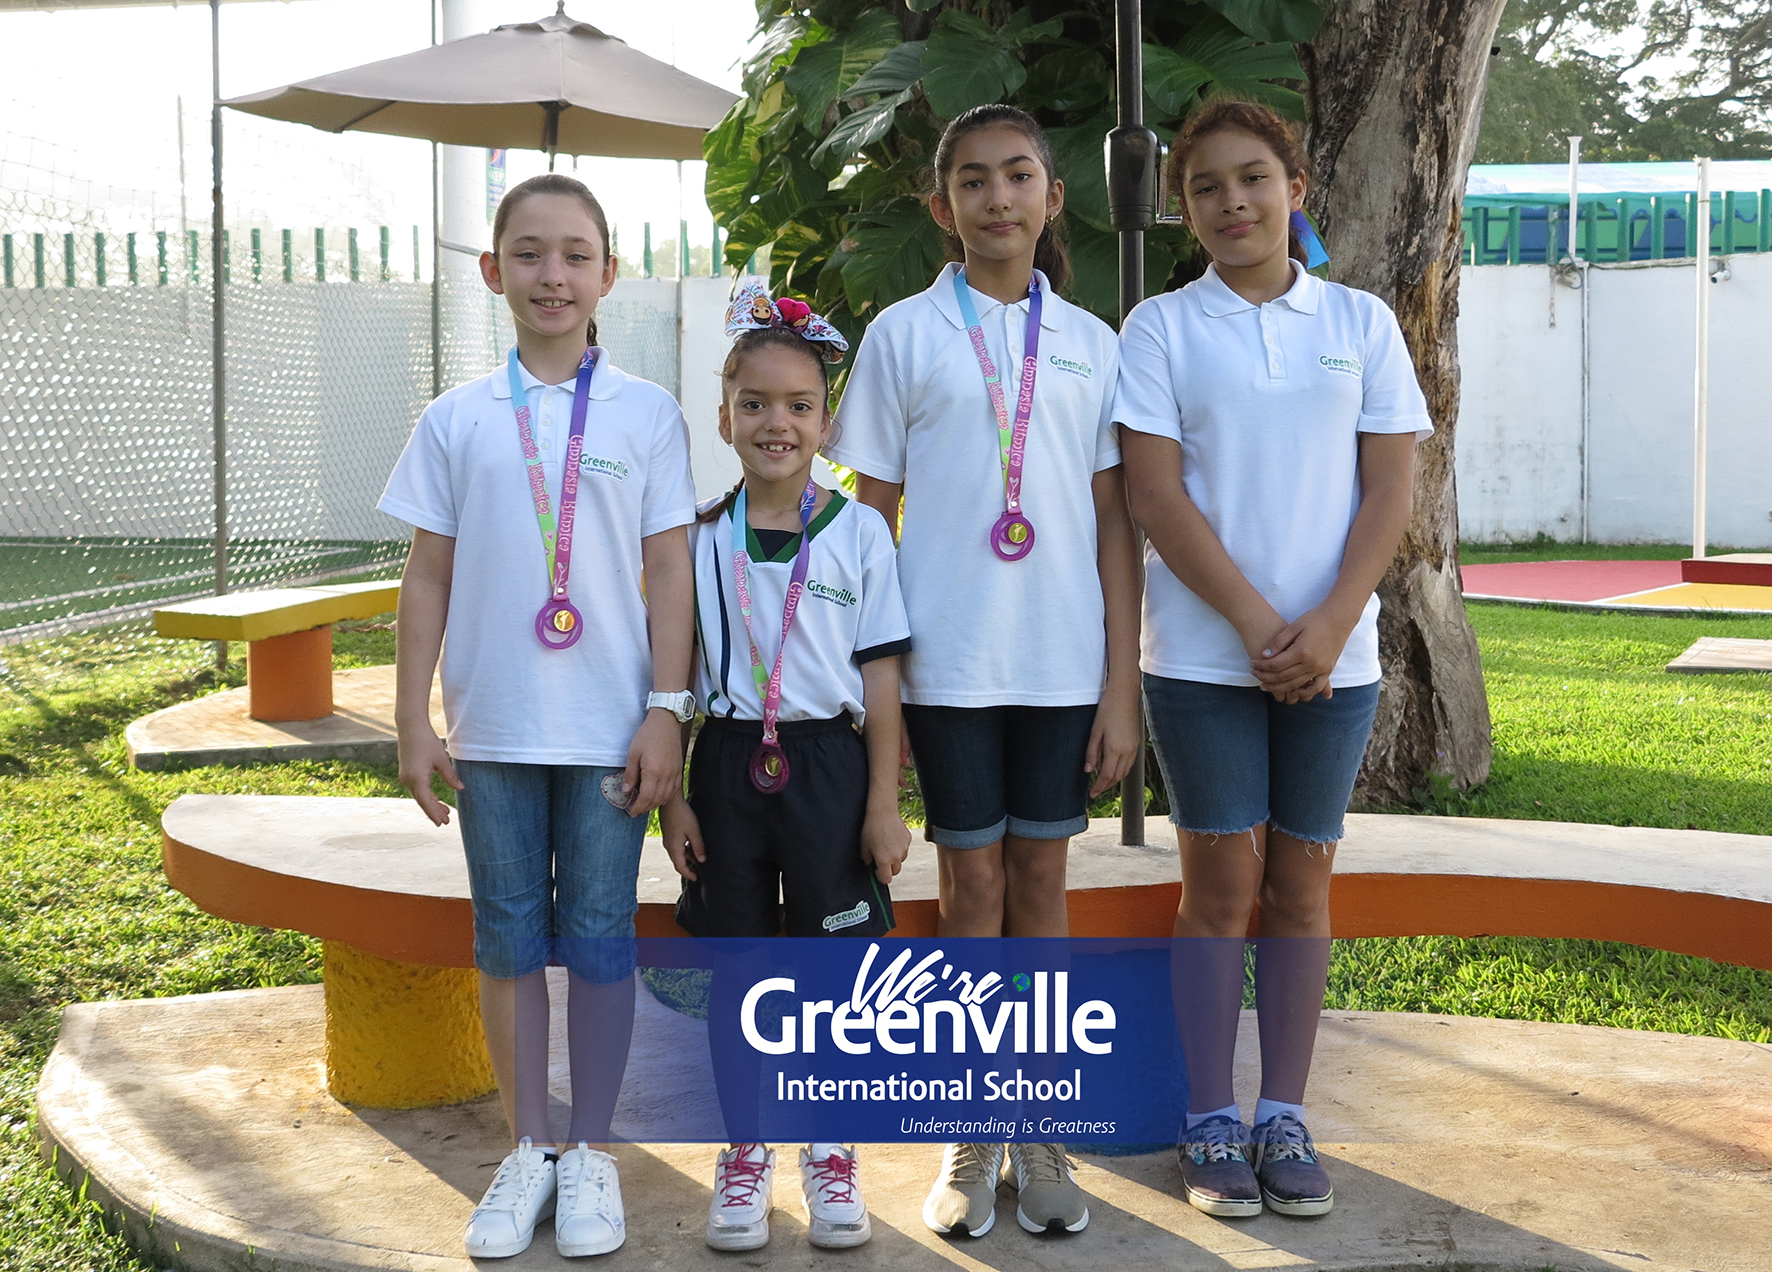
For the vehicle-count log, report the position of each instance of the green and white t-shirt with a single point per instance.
(850, 612)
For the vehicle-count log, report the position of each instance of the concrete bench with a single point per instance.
(288, 635)
(387, 894)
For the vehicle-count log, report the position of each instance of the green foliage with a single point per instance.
(1575, 67)
(827, 157)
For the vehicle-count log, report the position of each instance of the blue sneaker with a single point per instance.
(1293, 1181)
(1215, 1169)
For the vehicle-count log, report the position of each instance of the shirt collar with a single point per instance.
(941, 292)
(604, 383)
(1218, 300)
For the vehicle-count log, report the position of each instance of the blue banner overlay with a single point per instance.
(907, 1041)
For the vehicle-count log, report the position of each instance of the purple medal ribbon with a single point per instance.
(769, 766)
(558, 624)
(1012, 537)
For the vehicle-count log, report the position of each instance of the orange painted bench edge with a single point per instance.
(438, 931)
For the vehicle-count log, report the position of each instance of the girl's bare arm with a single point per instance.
(418, 642)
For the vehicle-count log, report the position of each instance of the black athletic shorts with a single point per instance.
(789, 861)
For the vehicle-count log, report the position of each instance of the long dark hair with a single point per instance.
(553, 183)
(1231, 114)
(1050, 256)
(747, 343)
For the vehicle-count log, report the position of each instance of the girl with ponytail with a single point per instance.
(985, 404)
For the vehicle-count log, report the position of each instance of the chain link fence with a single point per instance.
(106, 429)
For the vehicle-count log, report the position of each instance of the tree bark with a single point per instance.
(1396, 92)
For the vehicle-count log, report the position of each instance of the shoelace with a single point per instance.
(742, 1176)
(1044, 1163)
(972, 1162)
(589, 1173)
(1214, 1137)
(515, 1177)
(835, 1179)
(1284, 1138)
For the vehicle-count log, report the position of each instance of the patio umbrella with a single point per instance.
(556, 85)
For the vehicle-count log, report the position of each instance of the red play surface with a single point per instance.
(1569, 580)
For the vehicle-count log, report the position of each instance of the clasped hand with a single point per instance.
(1294, 663)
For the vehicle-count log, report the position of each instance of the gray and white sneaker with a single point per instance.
(1050, 1201)
(1293, 1181)
(588, 1214)
(830, 1187)
(521, 1195)
(738, 1213)
(1215, 1169)
(964, 1198)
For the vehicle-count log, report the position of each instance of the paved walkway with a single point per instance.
(1454, 1143)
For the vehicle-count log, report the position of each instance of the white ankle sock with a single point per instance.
(1229, 1110)
(818, 1152)
(1266, 1109)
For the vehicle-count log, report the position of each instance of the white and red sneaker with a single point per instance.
(738, 1215)
(836, 1216)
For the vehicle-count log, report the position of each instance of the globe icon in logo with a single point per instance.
(1021, 981)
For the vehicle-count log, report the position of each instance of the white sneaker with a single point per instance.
(522, 1193)
(588, 1218)
(836, 1216)
(738, 1214)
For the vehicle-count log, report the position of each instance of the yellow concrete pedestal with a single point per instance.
(402, 1036)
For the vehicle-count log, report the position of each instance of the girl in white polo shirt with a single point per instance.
(793, 785)
(551, 566)
(1269, 422)
(985, 402)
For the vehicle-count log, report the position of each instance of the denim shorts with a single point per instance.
(1233, 757)
(987, 771)
(553, 868)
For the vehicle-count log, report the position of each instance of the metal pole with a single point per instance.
(1701, 378)
(218, 314)
(436, 254)
(1132, 158)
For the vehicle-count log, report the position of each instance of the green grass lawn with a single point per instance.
(1587, 728)
(1547, 549)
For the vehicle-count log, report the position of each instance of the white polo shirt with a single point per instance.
(462, 475)
(988, 632)
(1268, 403)
(851, 612)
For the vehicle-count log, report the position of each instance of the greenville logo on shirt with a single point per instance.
(607, 467)
(846, 918)
(1347, 366)
(1074, 367)
(825, 592)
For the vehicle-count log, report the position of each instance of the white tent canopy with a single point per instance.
(1615, 178)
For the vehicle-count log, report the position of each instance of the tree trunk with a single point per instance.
(1396, 90)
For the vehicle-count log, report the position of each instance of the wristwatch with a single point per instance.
(681, 705)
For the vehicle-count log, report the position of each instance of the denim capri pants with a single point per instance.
(1234, 758)
(553, 867)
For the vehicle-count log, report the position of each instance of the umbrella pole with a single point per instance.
(436, 252)
(218, 328)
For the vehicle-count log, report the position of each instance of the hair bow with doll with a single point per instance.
(753, 309)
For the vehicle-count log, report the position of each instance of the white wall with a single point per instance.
(1519, 429)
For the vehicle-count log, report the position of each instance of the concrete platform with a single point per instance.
(203, 1123)
(1723, 654)
(217, 730)
(1751, 568)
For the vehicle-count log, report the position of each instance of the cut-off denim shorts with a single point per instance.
(553, 868)
(1234, 758)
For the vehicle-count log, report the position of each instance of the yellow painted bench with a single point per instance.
(288, 635)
